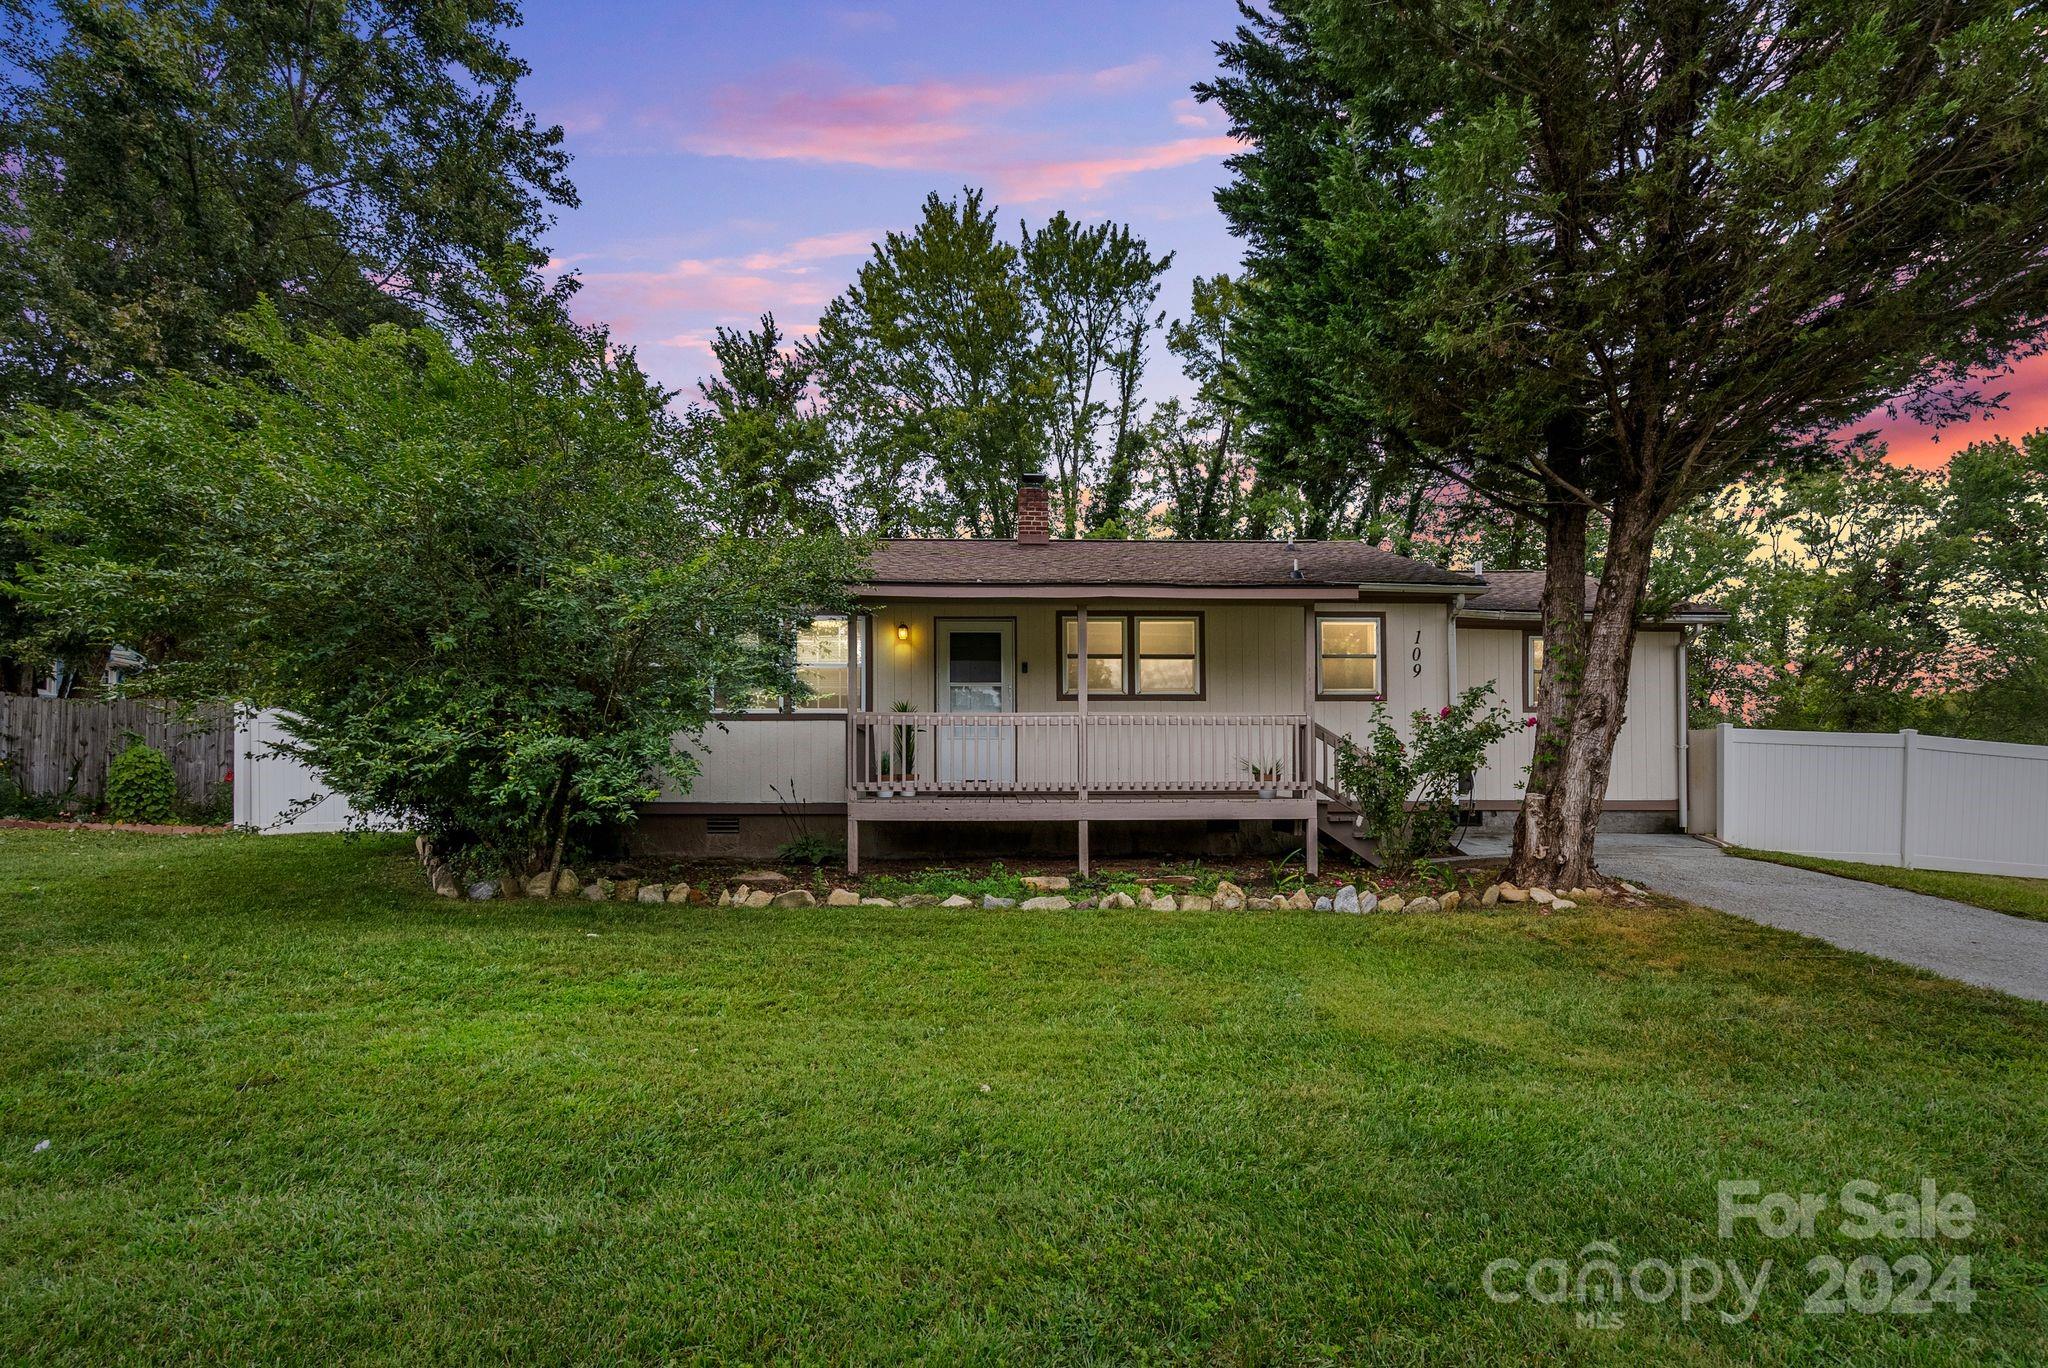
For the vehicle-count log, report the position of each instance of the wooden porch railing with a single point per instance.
(1049, 753)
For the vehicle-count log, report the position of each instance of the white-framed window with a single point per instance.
(1348, 655)
(1108, 643)
(824, 664)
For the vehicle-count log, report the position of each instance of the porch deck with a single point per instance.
(1080, 767)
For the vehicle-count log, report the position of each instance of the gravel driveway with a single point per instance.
(1953, 939)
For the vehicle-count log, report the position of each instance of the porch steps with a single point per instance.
(1337, 822)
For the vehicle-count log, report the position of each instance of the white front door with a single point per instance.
(977, 674)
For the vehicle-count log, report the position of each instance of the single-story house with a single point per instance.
(953, 711)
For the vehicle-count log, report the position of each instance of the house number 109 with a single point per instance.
(1415, 656)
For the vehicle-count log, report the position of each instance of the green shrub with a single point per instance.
(141, 786)
(1407, 792)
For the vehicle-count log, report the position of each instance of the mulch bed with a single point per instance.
(138, 828)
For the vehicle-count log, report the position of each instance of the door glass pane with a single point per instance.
(1351, 675)
(1166, 636)
(977, 657)
(976, 698)
(1166, 676)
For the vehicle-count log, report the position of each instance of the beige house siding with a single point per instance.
(1646, 752)
(1253, 658)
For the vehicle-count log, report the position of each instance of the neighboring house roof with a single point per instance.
(1171, 564)
(1520, 593)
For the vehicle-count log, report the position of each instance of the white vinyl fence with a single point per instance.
(1899, 798)
(275, 793)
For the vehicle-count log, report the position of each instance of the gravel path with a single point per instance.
(1953, 939)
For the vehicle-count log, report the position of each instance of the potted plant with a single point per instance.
(1266, 778)
(884, 791)
(906, 750)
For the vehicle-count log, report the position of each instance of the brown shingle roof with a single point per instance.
(1521, 591)
(1179, 564)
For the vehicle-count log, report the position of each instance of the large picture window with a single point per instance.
(1348, 656)
(1144, 655)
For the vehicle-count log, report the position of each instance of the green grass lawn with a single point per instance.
(297, 1110)
(1998, 892)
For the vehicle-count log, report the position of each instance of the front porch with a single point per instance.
(1083, 767)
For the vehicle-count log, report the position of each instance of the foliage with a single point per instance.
(811, 850)
(1406, 791)
(476, 579)
(1602, 261)
(760, 453)
(141, 785)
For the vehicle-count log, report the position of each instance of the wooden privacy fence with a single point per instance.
(1895, 798)
(55, 746)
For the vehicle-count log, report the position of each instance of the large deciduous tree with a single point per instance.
(476, 579)
(760, 448)
(1602, 258)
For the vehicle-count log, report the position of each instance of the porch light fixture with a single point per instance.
(903, 631)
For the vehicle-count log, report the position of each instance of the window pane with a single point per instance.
(827, 684)
(1535, 656)
(1351, 675)
(976, 657)
(1350, 636)
(1166, 636)
(1105, 636)
(1166, 676)
(1105, 674)
(822, 641)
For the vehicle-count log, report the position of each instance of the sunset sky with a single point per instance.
(739, 158)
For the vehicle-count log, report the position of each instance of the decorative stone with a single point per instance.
(626, 890)
(992, 903)
(957, 900)
(679, 893)
(1542, 895)
(538, 885)
(876, 902)
(598, 890)
(445, 885)
(1451, 900)
(767, 877)
(1393, 902)
(1510, 893)
(1145, 896)
(1631, 889)
(1562, 904)
(1326, 903)
(1043, 904)
(1368, 902)
(1165, 904)
(794, 897)
(918, 900)
(1301, 899)
(1491, 896)
(760, 897)
(1229, 896)
(842, 897)
(725, 897)
(1259, 904)
(1346, 900)
(1197, 902)
(567, 885)
(1046, 883)
(1425, 904)
(1120, 902)
(483, 891)
(650, 893)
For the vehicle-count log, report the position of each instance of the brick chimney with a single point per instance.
(1034, 509)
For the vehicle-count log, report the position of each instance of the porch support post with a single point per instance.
(1081, 726)
(1311, 829)
(852, 841)
(856, 662)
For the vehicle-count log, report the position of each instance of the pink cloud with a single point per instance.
(2026, 410)
(890, 127)
(1042, 180)
(802, 252)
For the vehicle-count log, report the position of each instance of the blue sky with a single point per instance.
(735, 158)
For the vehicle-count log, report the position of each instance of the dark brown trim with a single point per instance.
(836, 715)
(680, 808)
(1316, 654)
(1529, 634)
(1611, 805)
(1290, 593)
(1130, 618)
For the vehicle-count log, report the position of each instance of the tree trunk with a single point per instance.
(1582, 700)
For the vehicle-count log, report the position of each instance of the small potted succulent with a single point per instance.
(906, 751)
(885, 791)
(1266, 778)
